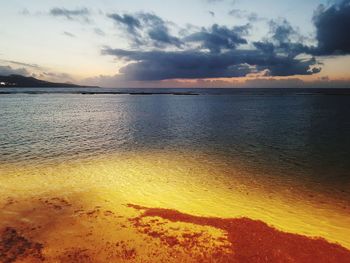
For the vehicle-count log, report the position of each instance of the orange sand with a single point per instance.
(75, 212)
(58, 230)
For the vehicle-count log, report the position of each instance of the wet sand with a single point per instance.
(163, 207)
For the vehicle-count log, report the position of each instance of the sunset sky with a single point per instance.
(199, 43)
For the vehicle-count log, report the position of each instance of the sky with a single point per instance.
(197, 43)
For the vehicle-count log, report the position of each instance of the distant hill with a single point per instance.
(22, 81)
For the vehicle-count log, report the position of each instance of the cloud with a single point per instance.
(294, 83)
(243, 14)
(236, 13)
(12, 67)
(24, 12)
(7, 70)
(71, 14)
(130, 22)
(32, 70)
(191, 64)
(158, 30)
(68, 34)
(99, 31)
(146, 29)
(332, 34)
(213, 1)
(160, 65)
(282, 31)
(218, 37)
(160, 53)
(13, 62)
(215, 52)
(283, 39)
(55, 76)
(332, 28)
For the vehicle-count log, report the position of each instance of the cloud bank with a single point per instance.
(219, 51)
(213, 52)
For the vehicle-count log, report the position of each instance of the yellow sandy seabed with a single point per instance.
(76, 211)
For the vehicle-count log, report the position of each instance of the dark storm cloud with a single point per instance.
(289, 66)
(218, 37)
(160, 65)
(71, 14)
(146, 29)
(332, 29)
(287, 48)
(214, 52)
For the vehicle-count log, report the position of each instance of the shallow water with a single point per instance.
(279, 158)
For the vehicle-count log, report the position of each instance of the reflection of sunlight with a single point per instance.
(191, 183)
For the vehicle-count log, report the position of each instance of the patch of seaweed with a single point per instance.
(255, 241)
(13, 246)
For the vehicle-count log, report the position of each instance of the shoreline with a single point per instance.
(73, 195)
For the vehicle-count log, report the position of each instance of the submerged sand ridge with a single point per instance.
(187, 208)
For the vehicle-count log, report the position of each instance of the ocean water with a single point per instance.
(306, 134)
(280, 156)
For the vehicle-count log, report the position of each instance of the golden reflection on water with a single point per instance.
(79, 206)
